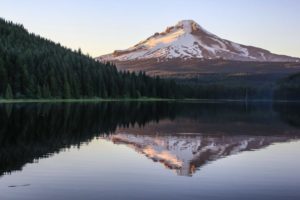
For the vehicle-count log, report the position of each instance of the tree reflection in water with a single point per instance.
(182, 136)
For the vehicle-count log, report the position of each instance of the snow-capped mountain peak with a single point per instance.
(189, 26)
(188, 40)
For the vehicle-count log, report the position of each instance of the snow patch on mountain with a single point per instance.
(187, 40)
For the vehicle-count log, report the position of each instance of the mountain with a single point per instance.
(185, 43)
(186, 153)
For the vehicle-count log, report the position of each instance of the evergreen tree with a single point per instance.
(46, 92)
(38, 92)
(9, 92)
(67, 90)
(3, 78)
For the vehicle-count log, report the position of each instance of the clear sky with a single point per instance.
(101, 26)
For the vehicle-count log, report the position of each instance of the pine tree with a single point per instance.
(9, 92)
(38, 92)
(46, 92)
(67, 90)
(3, 77)
(25, 81)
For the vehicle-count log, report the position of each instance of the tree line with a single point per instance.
(34, 67)
(288, 88)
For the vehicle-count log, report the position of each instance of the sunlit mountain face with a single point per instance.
(187, 40)
(185, 153)
(188, 50)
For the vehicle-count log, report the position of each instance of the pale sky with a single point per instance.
(102, 26)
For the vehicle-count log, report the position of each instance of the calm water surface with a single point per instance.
(149, 151)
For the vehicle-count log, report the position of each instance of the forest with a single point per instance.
(34, 67)
(288, 88)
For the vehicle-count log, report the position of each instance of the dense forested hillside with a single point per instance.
(34, 67)
(288, 88)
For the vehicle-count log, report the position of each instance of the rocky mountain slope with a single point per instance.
(184, 43)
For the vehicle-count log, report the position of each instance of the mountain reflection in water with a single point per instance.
(182, 136)
(185, 153)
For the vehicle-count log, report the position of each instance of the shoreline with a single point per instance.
(15, 101)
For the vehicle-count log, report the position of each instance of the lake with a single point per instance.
(149, 150)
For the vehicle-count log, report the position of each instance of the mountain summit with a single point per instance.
(186, 40)
(187, 49)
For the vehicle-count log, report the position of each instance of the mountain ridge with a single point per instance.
(186, 40)
(172, 51)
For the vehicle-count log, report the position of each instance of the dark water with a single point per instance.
(149, 151)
